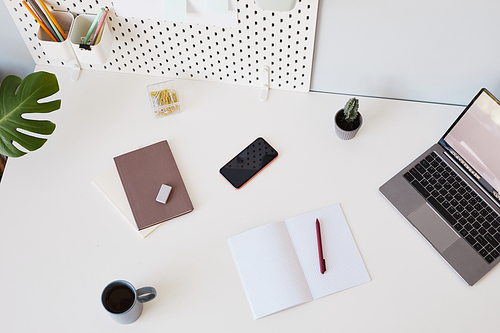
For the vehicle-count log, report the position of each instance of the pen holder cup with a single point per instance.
(90, 54)
(58, 50)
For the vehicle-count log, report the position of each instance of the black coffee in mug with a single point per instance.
(119, 299)
(123, 302)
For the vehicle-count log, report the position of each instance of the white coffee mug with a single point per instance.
(123, 302)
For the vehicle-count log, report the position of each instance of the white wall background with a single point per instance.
(431, 50)
(14, 55)
(427, 50)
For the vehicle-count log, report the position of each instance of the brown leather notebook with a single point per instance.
(142, 172)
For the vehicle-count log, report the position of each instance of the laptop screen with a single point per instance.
(475, 137)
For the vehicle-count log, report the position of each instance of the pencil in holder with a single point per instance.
(85, 50)
(58, 50)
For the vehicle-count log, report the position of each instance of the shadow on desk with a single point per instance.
(3, 162)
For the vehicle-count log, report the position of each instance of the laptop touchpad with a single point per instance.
(433, 227)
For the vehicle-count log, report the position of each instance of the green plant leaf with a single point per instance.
(18, 97)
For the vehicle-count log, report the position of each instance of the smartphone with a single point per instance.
(248, 162)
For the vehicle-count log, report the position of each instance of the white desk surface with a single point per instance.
(62, 241)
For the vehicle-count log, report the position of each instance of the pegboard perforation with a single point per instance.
(281, 40)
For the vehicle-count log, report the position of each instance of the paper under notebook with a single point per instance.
(110, 185)
(279, 264)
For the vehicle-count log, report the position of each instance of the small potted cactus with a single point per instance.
(348, 120)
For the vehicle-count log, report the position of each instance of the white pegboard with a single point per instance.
(284, 41)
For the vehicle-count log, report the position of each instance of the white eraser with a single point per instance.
(163, 193)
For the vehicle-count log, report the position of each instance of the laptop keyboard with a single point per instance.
(458, 203)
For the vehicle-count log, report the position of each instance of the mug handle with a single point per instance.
(146, 294)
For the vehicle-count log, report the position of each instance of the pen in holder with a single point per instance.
(56, 50)
(91, 41)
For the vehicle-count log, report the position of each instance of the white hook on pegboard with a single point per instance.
(264, 90)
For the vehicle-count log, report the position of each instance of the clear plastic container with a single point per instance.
(164, 98)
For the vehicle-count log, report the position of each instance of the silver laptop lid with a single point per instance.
(474, 141)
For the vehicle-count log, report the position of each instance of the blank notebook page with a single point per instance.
(269, 269)
(344, 265)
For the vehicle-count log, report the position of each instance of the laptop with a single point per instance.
(450, 193)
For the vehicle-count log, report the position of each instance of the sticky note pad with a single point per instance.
(175, 10)
(217, 6)
(163, 193)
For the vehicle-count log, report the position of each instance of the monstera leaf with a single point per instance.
(19, 97)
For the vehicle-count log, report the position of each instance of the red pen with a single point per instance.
(322, 263)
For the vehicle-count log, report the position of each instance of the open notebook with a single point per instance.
(279, 264)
